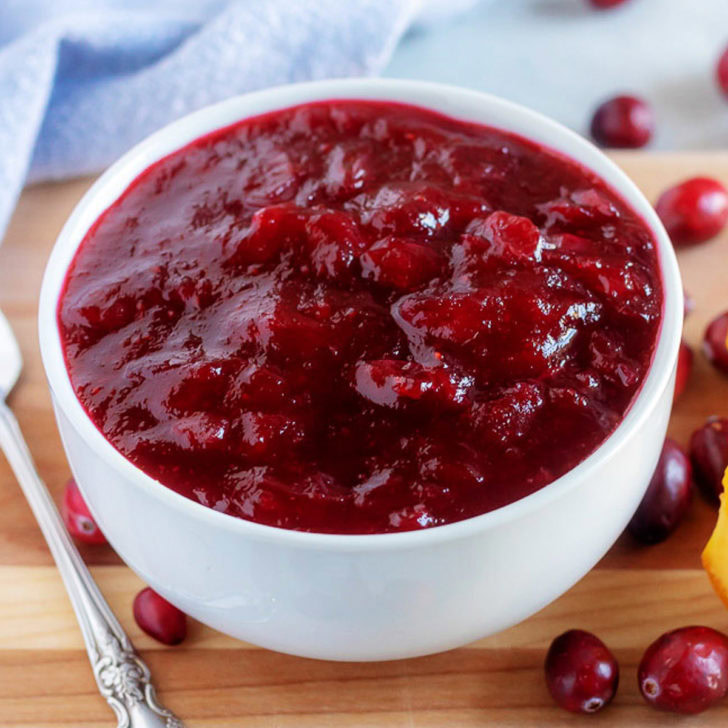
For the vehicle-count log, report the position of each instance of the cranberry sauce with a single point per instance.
(359, 317)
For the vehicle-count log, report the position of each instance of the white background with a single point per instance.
(562, 57)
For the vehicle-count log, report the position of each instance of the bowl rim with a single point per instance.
(449, 100)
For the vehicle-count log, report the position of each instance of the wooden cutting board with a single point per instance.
(630, 598)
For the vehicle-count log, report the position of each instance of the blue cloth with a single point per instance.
(81, 81)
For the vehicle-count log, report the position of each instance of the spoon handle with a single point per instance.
(122, 677)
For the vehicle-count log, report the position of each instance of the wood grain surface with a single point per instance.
(630, 598)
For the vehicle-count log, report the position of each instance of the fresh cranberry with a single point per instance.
(667, 497)
(715, 342)
(158, 618)
(685, 671)
(602, 4)
(693, 211)
(625, 122)
(77, 517)
(709, 456)
(684, 367)
(721, 72)
(581, 673)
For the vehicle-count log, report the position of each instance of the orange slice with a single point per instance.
(715, 553)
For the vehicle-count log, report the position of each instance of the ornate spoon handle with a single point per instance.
(123, 679)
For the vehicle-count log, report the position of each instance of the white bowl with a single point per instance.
(371, 597)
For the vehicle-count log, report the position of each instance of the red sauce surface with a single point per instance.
(360, 317)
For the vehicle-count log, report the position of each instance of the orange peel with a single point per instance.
(715, 553)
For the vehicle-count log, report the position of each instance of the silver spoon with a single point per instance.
(123, 679)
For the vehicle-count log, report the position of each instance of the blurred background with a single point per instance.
(83, 80)
(563, 57)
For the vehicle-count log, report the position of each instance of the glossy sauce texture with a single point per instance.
(360, 317)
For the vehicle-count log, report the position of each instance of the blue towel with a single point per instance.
(81, 81)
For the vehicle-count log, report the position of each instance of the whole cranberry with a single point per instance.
(715, 342)
(625, 122)
(581, 673)
(667, 497)
(693, 211)
(709, 456)
(684, 367)
(721, 72)
(685, 671)
(77, 517)
(158, 618)
(601, 4)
